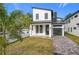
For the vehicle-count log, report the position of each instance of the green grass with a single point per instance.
(31, 46)
(72, 37)
(2, 43)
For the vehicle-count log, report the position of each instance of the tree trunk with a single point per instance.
(4, 36)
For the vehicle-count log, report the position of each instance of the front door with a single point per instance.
(47, 29)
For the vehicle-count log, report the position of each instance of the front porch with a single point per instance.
(40, 30)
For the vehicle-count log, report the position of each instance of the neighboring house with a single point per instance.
(72, 24)
(45, 23)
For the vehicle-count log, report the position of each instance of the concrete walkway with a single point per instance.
(65, 46)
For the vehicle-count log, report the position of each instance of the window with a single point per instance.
(37, 29)
(75, 16)
(47, 29)
(68, 29)
(74, 27)
(69, 20)
(71, 29)
(37, 16)
(56, 25)
(46, 15)
(41, 28)
(71, 17)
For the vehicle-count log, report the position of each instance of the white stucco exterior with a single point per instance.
(43, 22)
(41, 13)
(72, 24)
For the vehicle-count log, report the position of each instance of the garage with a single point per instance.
(58, 30)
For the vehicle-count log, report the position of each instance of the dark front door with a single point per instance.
(57, 31)
(47, 29)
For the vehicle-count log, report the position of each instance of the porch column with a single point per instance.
(30, 30)
(50, 30)
(62, 30)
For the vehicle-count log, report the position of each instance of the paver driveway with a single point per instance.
(65, 46)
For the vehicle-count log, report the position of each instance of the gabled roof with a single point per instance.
(72, 14)
(41, 8)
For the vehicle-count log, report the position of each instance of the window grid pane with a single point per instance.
(37, 16)
(41, 29)
(46, 15)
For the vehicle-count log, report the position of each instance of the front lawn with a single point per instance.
(31, 46)
(72, 37)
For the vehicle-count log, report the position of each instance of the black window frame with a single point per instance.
(46, 16)
(41, 28)
(37, 29)
(75, 16)
(74, 28)
(71, 29)
(69, 20)
(37, 16)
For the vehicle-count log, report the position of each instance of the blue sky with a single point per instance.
(62, 9)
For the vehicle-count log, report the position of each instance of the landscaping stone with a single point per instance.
(65, 46)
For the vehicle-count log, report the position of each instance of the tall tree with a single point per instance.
(27, 19)
(20, 21)
(12, 24)
(3, 23)
(16, 25)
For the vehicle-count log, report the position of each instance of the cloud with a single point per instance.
(65, 4)
(62, 5)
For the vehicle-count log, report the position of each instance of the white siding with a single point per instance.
(73, 23)
(41, 15)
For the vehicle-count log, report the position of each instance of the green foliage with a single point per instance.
(69, 15)
(13, 23)
(2, 42)
(2, 45)
(26, 20)
(72, 37)
(2, 11)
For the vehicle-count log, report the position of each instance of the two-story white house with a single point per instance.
(45, 23)
(72, 24)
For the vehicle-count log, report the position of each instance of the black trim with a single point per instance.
(59, 18)
(41, 8)
(37, 22)
(73, 14)
(41, 22)
(52, 16)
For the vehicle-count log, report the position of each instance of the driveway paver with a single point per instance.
(65, 46)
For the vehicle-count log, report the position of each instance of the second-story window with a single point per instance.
(37, 16)
(75, 16)
(46, 15)
(69, 20)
